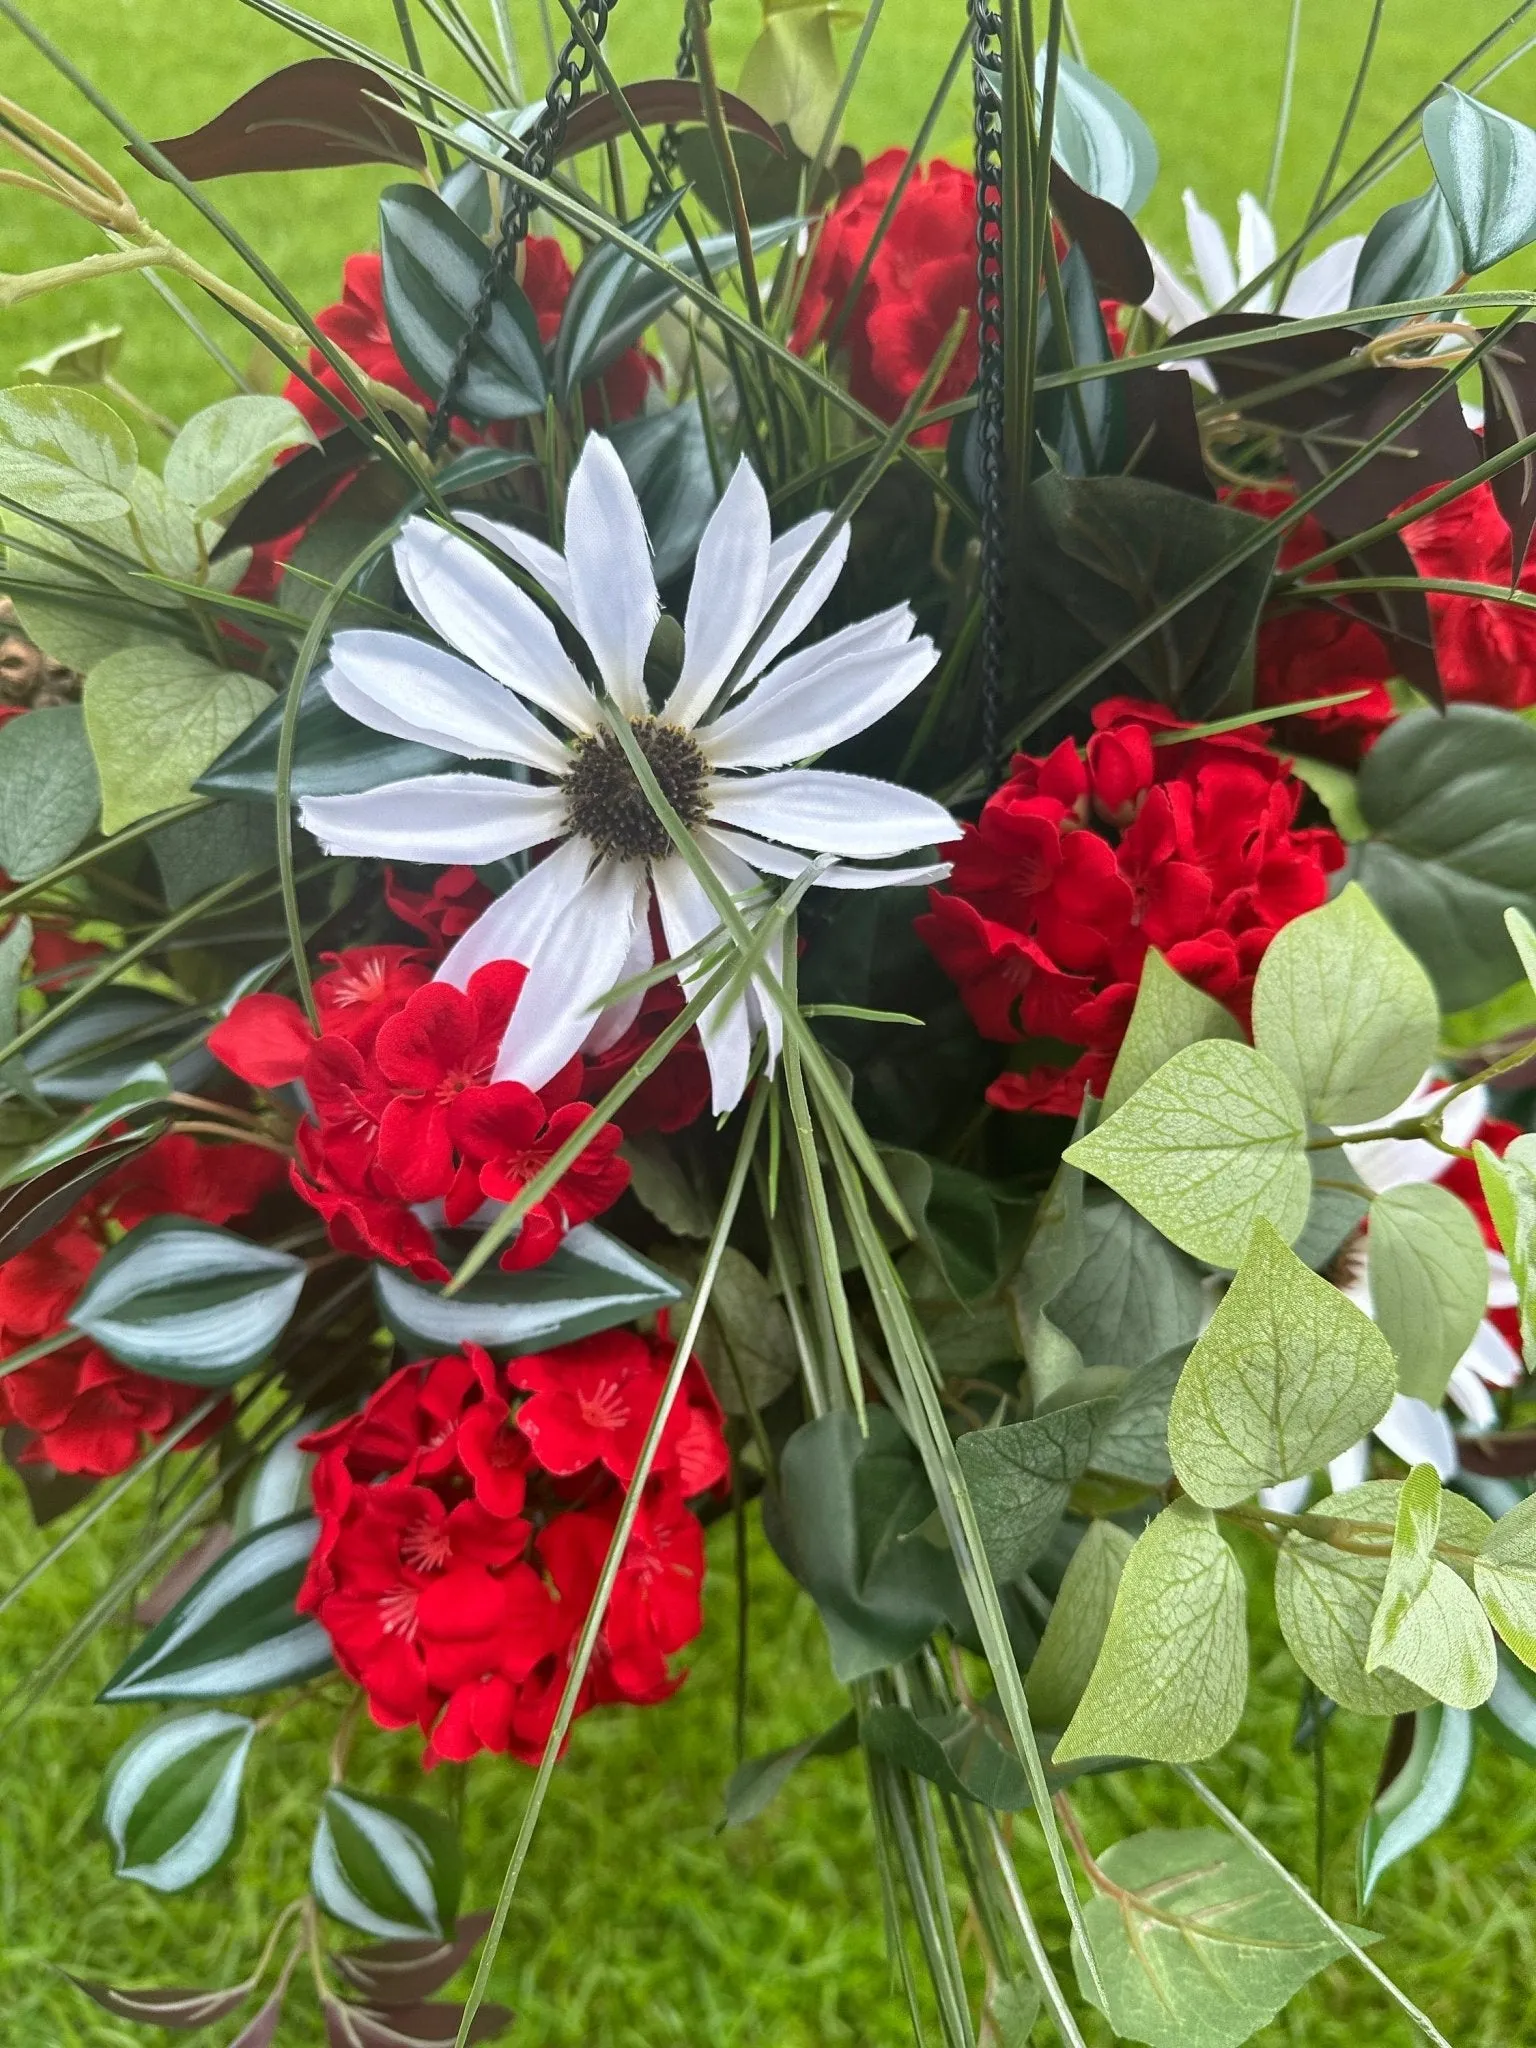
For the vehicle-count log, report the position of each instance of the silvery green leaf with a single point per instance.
(1413, 252)
(1134, 1297)
(1485, 164)
(1428, 1268)
(146, 1084)
(1098, 138)
(1021, 1476)
(388, 1867)
(171, 1802)
(189, 1301)
(237, 1630)
(50, 798)
(278, 1486)
(1421, 1796)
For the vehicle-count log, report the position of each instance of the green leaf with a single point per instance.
(236, 1631)
(1172, 1675)
(278, 1486)
(1443, 1643)
(1074, 1635)
(1327, 1598)
(1213, 1142)
(1288, 1374)
(1413, 252)
(745, 1343)
(1415, 1533)
(103, 1045)
(332, 754)
(1021, 1476)
(1334, 787)
(754, 1784)
(148, 1083)
(224, 451)
(592, 1283)
(957, 1751)
(1524, 937)
(791, 72)
(848, 1524)
(1170, 1014)
(1099, 139)
(157, 717)
(1134, 1297)
(1485, 164)
(1453, 842)
(955, 1216)
(65, 454)
(1199, 1943)
(189, 1301)
(64, 602)
(1428, 1269)
(49, 795)
(1133, 1444)
(212, 846)
(1343, 1008)
(1421, 1796)
(388, 1867)
(171, 1802)
(434, 268)
(1509, 1188)
(89, 358)
(1504, 1574)
(1010, 2013)
(14, 949)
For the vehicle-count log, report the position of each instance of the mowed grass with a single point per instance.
(638, 1925)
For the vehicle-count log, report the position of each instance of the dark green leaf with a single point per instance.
(293, 493)
(958, 1751)
(170, 1805)
(1133, 1443)
(771, 179)
(104, 1044)
(189, 1301)
(592, 1283)
(955, 1216)
(667, 460)
(179, 2008)
(1022, 1475)
(1413, 252)
(388, 1867)
(50, 797)
(210, 847)
(237, 1630)
(307, 116)
(47, 1197)
(434, 267)
(1134, 1296)
(1485, 164)
(332, 754)
(1453, 842)
(1419, 1795)
(761, 1778)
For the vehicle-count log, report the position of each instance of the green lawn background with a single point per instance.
(639, 1926)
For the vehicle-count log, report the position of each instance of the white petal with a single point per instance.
(468, 602)
(1419, 1435)
(579, 958)
(546, 565)
(1171, 301)
(1255, 248)
(613, 587)
(1502, 1291)
(1492, 1358)
(512, 926)
(688, 918)
(891, 628)
(1350, 1468)
(832, 813)
(783, 860)
(438, 820)
(1208, 246)
(416, 685)
(613, 1023)
(782, 722)
(784, 558)
(725, 600)
(1472, 1398)
(1288, 1498)
(368, 711)
(1324, 285)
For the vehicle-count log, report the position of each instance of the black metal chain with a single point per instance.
(540, 150)
(666, 148)
(986, 49)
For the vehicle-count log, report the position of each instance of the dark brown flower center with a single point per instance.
(605, 803)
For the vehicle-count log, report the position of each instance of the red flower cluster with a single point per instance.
(405, 1113)
(88, 1413)
(463, 1529)
(1077, 865)
(923, 275)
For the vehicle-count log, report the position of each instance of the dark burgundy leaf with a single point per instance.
(597, 118)
(404, 1972)
(294, 493)
(1429, 450)
(50, 1492)
(37, 1204)
(178, 2007)
(305, 117)
(1246, 373)
(183, 1575)
(434, 2025)
(1117, 256)
(1509, 415)
(1401, 617)
(1162, 435)
(1511, 1455)
(260, 2031)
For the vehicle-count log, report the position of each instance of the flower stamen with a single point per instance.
(606, 805)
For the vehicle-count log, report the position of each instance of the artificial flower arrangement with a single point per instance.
(844, 841)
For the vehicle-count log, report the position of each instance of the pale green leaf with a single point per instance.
(1504, 1574)
(1197, 1941)
(68, 608)
(1524, 935)
(1334, 787)
(1413, 1558)
(1074, 1635)
(1214, 1141)
(1509, 1188)
(1421, 1796)
(224, 451)
(87, 359)
(1170, 1013)
(156, 718)
(65, 454)
(1428, 1269)
(791, 73)
(1172, 1675)
(1326, 1598)
(49, 795)
(14, 948)
(1343, 1008)
(1444, 1643)
(1288, 1374)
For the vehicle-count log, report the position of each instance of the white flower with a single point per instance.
(579, 920)
(1411, 1429)
(1321, 286)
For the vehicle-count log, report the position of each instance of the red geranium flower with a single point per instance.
(1080, 862)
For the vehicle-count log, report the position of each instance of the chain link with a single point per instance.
(540, 150)
(986, 50)
(666, 148)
